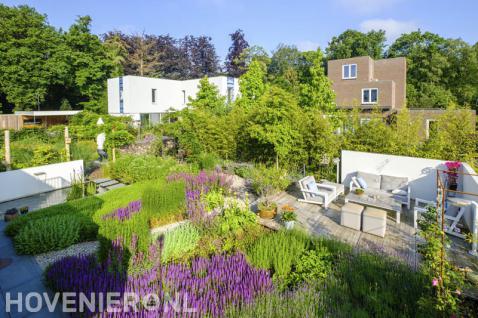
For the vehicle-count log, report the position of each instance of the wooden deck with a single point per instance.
(400, 240)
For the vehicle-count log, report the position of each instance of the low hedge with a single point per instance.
(54, 233)
(85, 206)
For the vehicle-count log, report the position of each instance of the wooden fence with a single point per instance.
(14, 122)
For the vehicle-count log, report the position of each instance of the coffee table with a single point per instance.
(386, 203)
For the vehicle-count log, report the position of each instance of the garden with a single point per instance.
(190, 238)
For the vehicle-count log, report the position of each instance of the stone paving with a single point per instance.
(23, 275)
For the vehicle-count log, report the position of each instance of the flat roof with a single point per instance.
(43, 113)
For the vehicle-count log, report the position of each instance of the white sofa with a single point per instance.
(383, 185)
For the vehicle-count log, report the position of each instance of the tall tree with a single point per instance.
(208, 98)
(284, 68)
(89, 62)
(427, 64)
(273, 128)
(315, 87)
(202, 56)
(235, 62)
(116, 50)
(143, 57)
(30, 58)
(352, 43)
(252, 83)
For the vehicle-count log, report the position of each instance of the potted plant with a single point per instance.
(359, 191)
(288, 216)
(452, 175)
(267, 209)
(24, 210)
(10, 214)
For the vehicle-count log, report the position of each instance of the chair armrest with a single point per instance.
(319, 193)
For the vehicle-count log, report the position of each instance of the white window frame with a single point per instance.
(370, 96)
(350, 71)
(427, 128)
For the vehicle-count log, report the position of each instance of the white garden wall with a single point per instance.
(421, 172)
(25, 182)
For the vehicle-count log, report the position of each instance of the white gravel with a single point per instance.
(85, 248)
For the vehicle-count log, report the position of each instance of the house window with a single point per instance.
(349, 71)
(184, 97)
(154, 95)
(369, 95)
(431, 128)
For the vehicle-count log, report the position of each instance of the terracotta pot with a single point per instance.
(268, 213)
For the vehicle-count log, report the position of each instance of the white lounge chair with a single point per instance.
(316, 193)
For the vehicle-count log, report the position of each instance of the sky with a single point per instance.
(307, 24)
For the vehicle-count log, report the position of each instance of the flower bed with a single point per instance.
(208, 285)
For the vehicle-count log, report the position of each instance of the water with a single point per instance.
(37, 201)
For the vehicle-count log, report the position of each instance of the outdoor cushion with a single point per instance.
(312, 186)
(362, 183)
(390, 183)
(372, 180)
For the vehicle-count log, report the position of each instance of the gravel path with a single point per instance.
(85, 248)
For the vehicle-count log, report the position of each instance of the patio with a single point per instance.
(399, 242)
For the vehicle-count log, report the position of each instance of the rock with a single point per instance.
(85, 248)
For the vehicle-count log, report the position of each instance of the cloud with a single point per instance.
(393, 28)
(307, 46)
(367, 6)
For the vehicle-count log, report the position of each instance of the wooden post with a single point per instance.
(113, 152)
(8, 159)
(67, 144)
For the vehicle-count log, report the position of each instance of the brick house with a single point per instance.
(370, 84)
(362, 81)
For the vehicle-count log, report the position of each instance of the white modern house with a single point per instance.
(147, 99)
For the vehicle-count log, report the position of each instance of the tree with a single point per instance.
(257, 53)
(89, 64)
(143, 57)
(30, 62)
(251, 83)
(208, 98)
(428, 67)
(65, 105)
(116, 51)
(273, 129)
(315, 87)
(283, 69)
(353, 43)
(202, 56)
(455, 137)
(235, 64)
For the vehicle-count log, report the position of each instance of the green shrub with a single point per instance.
(206, 161)
(304, 302)
(266, 181)
(86, 206)
(49, 234)
(278, 251)
(179, 242)
(164, 198)
(84, 150)
(130, 169)
(313, 265)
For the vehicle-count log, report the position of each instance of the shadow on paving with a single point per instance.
(23, 275)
